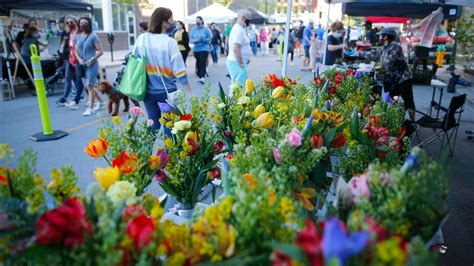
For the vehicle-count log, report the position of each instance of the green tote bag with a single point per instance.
(133, 82)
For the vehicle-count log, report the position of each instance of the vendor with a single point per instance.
(398, 76)
(335, 43)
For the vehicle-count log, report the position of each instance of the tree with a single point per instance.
(465, 39)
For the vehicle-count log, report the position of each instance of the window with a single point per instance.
(97, 13)
(116, 16)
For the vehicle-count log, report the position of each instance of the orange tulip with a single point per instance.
(126, 163)
(97, 148)
(304, 195)
(249, 179)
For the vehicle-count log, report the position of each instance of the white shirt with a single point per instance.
(238, 35)
(354, 35)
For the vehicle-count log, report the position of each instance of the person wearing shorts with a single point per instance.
(307, 35)
(88, 49)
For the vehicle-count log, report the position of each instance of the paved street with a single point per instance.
(20, 118)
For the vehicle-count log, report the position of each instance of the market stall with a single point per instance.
(215, 13)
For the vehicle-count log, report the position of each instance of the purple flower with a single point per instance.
(387, 98)
(328, 105)
(360, 84)
(308, 125)
(357, 75)
(161, 176)
(337, 244)
(276, 155)
(293, 138)
(164, 157)
(409, 164)
(165, 107)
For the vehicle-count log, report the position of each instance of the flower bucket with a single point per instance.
(187, 214)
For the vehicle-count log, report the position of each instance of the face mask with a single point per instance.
(337, 35)
(171, 28)
(84, 27)
(247, 22)
(71, 26)
(198, 23)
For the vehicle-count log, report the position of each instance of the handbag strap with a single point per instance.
(84, 45)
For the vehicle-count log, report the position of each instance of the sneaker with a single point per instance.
(86, 104)
(88, 112)
(72, 105)
(98, 106)
(202, 80)
(61, 102)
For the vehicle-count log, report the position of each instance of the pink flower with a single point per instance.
(164, 157)
(136, 111)
(359, 186)
(149, 123)
(276, 155)
(294, 138)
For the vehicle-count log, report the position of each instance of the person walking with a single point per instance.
(291, 46)
(264, 40)
(371, 34)
(299, 37)
(88, 49)
(274, 40)
(314, 52)
(398, 78)
(335, 43)
(239, 49)
(69, 58)
(181, 36)
(307, 35)
(201, 37)
(354, 36)
(216, 43)
(164, 63)
(253, 39)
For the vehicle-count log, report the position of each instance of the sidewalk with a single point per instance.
(444, 75)
(106, 59)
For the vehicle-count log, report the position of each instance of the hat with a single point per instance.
(388, 31)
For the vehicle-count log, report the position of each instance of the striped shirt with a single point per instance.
(163, 59)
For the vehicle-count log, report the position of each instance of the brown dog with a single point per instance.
(114, 97)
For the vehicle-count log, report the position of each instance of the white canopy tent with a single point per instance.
(215, 13)
(277, 19)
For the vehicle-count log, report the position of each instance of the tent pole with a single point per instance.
(287, 36)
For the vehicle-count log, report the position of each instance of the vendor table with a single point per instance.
(437, 85)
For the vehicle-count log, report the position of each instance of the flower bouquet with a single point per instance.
(189, 153)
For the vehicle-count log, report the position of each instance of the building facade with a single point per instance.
(118, 18)
(311, 10)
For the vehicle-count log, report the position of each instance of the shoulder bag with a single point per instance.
(133, 83)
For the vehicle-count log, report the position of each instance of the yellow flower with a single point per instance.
(106, 176)
(168, 143)
(264, 121)
(162, 120)
(190, 135)
(205, 106)
(157, 212)
(249, 86)
(278, 92)
(154, 162)
(213, 100)
(169, 124)
(166, 115)
(116, 120)
(260, 109)
(182, 155)
(282, 107)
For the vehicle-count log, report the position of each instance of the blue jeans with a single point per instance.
(253, 45)
(216, 50)
(79, 86)
(68, 79)
(153, 110)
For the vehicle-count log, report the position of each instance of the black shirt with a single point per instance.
(216, 37)
(372, 36)
(20, 37)
(299, 33)
(331, 56)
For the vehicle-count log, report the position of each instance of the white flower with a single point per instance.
(243, 100)
(122, 191)
(220, 105)
(182, 125)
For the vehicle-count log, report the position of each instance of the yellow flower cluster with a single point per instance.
(389, 253)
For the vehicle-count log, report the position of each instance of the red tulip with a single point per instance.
(126, 162)
(185, 117)
(311, 242)
(218, 146)
(281, 259)
(66, 225)
(339, 141)
(161, 176)
(194, 147)
(317, 141)
(140, 230)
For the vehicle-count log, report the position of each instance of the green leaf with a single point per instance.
(292, 251)
(329, 136)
